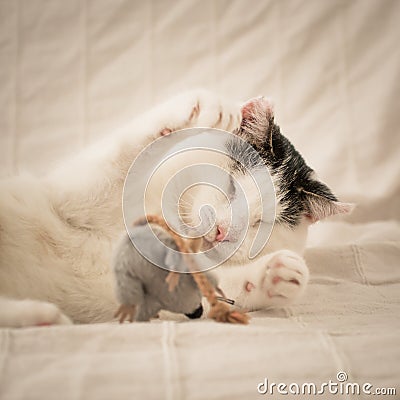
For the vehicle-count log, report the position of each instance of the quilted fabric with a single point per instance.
(73, 71)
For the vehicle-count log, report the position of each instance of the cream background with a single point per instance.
(75, 70)
(72, 71)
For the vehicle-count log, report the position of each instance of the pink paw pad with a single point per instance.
(276, 279)
(44, 324)
(249, 286)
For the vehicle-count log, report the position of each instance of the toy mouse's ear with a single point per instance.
(172, 259)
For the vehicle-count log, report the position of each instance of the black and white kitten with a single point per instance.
(57, 231)
(279, 274)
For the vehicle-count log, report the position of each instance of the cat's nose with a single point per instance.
(221, 234)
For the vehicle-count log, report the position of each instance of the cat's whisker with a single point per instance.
(182, 200)
(188, 195)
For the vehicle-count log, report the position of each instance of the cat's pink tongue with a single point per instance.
(256, 106)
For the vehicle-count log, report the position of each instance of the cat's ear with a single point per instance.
(257, 121)
(258, 106)
(320, 207)
(320, 203)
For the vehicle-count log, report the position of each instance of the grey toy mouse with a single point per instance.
(142, 288)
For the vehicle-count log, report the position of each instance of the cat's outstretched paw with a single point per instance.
(285, 278)
(200, 108)
(38, 313)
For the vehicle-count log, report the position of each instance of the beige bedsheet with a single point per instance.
(72, 71)
(347, 322)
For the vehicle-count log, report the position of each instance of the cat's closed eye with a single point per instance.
(231, 189)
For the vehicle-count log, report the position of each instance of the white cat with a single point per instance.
(57, 231)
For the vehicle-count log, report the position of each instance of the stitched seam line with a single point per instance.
(4, 346)
(171, 370)
(358, 263)
(337, 357)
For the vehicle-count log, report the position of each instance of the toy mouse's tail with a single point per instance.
(219, 311)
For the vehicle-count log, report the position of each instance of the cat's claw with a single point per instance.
(286, 276)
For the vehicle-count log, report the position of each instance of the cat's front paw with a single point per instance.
(285, 278)
(201, 108)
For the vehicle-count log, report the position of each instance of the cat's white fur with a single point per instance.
(57, 231)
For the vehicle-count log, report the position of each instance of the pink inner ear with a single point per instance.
(344, 208)
(247, 110)
(321, 209)
(311, 219)
(256, 106)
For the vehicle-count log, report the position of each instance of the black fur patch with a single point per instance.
(292, 176)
